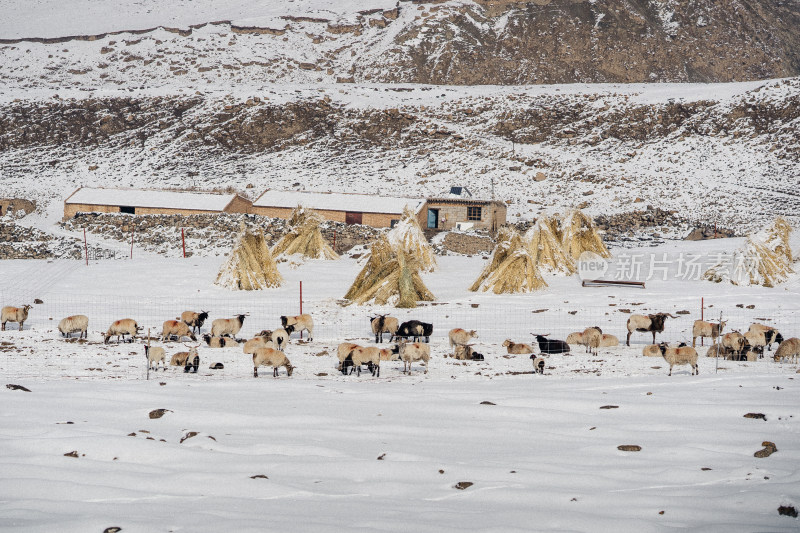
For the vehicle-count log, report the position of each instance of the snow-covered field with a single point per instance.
(544, 457)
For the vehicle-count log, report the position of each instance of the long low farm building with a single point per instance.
(371, 210)
(152, 202)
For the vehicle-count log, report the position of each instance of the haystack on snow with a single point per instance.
(250, 265)
(408, 236)
(305, 237)
(512, 268)
(765, 259)
(546, 250)
(390, 276)
(578, 234)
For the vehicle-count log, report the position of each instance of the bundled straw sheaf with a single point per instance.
(512, 268)
(764, 259)
(546, 250)
(305, 238)
(250, 265)
(578, 234)
(390, 276)
(407, 235)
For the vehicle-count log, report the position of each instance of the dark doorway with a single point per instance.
(352, 218)
(433, 218)
(127, 209)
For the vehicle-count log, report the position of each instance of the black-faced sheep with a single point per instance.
(681, 355)
(733, 342)
(299, 323)
(414, 329)
(369, 355)
(154, 355)
(281, 336)
(461, 336)
(190, 361)
(788, 350)
(647, 323)
(220, 342)
(71, 324)
(14, 314)
(771, 335)
(514, 348)
(706, 329)
(551, 346)
(194, 320)
(177, 329)
(271, 357)
(120, 328)
(415, 351)
(227, 327)
(538, 364)
(383, 324)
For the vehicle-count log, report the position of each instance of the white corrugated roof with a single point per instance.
(336, 201)
(150, 198)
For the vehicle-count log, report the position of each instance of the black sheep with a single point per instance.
(551, 346)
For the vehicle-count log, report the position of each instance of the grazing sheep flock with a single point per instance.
(268, 347)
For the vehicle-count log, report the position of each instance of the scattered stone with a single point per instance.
(189, 435)
(381, 456)
(113, 529)
(759, 416)
(683, 312)
(441, 471)
(17, 387)
(629, 448)
(487, 403)
(705, 469)
(259, 476)
(787, 510)
(73, 453)
(158, 413)
(769, 449)
(661, 512)
(461, 485)
(751, 306)
(609, 407)
(37, 301)
(322, 374)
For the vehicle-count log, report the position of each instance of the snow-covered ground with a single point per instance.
(544, 457)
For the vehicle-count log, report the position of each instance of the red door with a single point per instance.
(352, 218)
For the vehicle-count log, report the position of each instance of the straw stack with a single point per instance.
(578, 234)
(545, 248)
(390, 276)
(407, 235)
(250, 265)
(305, 238)
(765, 259)
(512, 268)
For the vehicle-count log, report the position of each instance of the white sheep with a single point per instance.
(576, 337)
(733, 342)
(14, 314)
(120, 328)
(271, 357)
(680, 355)
(300, 323)
(220, 342)
(194, 320)
(280, 337)
(651, 350)
(590, 338)
(701, 329)
(463, 352)
(515, 348)
(607, 340)
(771, 334)
(538, 364)
(154, 354)
(788, 350)
(257, 342)
(369, 355)
(653, 323)
(415, 351)
(384, 324)
(227, 327)
(755, 339)
(720, 350)
(71, 324)
(176, 328)
(461, 336)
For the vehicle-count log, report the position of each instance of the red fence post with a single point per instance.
(702, 308)
(183, 240)
(301, 304)
(85, 247)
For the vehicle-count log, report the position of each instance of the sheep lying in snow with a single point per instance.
(415, 351)
(720, 350)
(71, 324)
(461, 336)
(651, 350)
(647, 323)
(154, 354)
(194, 320)
(383, 324)
(220, 342)
(259, 341)
(14, 314)
(551, 346)
(227, 327)
(514, 348)
(188, 360)
(120, 328)
(465, 352)
(681, 355)
(271, 357)
(177, 329)
(607, 341)
(702, 329)
(788, 350)
(300, 323)
(538, 364)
